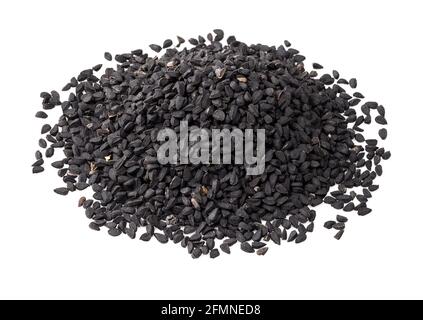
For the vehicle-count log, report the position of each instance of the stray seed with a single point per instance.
(42, 143)
(167, 43)
(37, 169)
(41, 115)
(383, 133)
(45, 128)
(340, 218)
(262, 251)
(108, 56)
(81, 201)
(62, 191)
(339, 234)
(155, 48)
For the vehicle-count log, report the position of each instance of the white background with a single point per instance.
(46, 248)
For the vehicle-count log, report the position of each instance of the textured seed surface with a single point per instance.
(262, 251)
(62, 191)
(108, 56)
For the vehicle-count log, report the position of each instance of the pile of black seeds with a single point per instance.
(314, 141)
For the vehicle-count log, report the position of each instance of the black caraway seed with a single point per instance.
(108, 56)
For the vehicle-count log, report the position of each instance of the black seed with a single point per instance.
(193, 41)
(338, 205)
(114, 232)
(287, 43)
(258, 245)
(180, 40)
(37, 169)
(301, 238)
(373, 188)
(230, 242)
(38, 162)
(364, 211)
(167, 43)
(214, 253)
(262, 251)
(42, 143)
(353, 83)
(219, 115)
(219, 34)
(245, 246)
(57, 164)
(97, 67)
(49, 152)
(94, 226)
(275, 237)
(155, 48)
(339, 234)
(292, 236)
(41, 115)
(196, 253)
(378, 170)
(225, 248)
(349, 207)
(367, 193)
(340, 218)
(145, 237)
(62, 191)
(386, 155)
(317, 66)
(335, 74)
(108, 56)
(45, 128)
(383, 133)
(359, 137)
(381, 120)
(339, 226)
(329, 224)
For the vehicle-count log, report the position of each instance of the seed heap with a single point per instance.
(314, 141)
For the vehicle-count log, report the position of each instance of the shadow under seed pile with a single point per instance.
(314, 141)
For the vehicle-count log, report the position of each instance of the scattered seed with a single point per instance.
(339, 234)
(167, 43)
(155, 48)
(262, 251)
(108, 56)
(41, 115)
(62, 191)
(383, 133)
